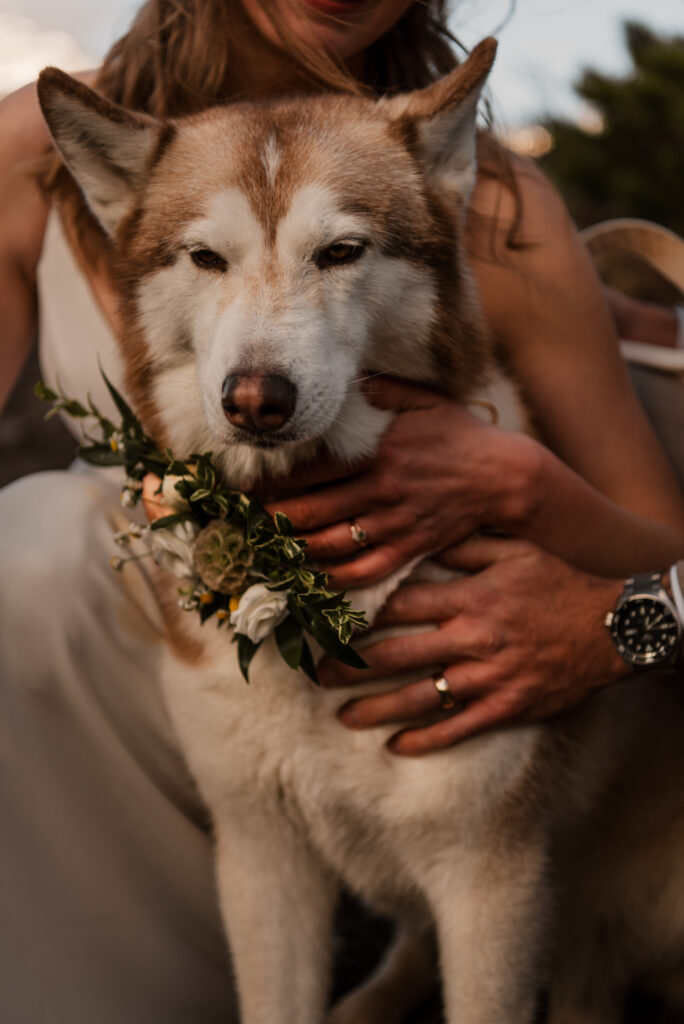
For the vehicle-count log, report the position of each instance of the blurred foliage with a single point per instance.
(634, 165)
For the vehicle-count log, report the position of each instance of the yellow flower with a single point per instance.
(222, 614)
(233, 603)
(113, 445)
(206, 598)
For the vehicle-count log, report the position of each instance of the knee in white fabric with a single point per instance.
(52, 525)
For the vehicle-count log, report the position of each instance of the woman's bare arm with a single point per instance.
(555, 331)
(23, 211)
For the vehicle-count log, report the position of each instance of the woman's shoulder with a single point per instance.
(23, 132)
(515, 197)
(24, 141)
(24, 144)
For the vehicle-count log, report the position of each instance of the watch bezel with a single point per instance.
(651, 657)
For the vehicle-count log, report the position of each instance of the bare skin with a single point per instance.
(550, 322)
(519, 640)
(439, 474)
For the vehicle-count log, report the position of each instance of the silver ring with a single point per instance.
(441, 685)
(358, 534)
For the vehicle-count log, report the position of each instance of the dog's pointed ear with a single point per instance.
(441, 119)
(106, 148)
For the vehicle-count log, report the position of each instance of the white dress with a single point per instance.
(107, 906)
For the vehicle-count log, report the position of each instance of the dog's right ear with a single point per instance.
(106, 148)
(441, 120)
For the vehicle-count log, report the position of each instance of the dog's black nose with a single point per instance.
(258, 402)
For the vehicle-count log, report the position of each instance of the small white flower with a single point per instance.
(129, 497)
(259, 612)
(136, 530)
(122, 538)
(116, 563)
(172, 548)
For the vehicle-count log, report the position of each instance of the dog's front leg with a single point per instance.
(277, 901)
(490, 907)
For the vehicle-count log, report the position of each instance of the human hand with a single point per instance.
(439, 474)
(520, 640)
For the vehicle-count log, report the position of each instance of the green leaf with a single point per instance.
(207, 610)
(332, 645)
(73, 408)
(283, 584)
(200, 494)
(130, 420)
(166, 521)
(246, 651)
(307, 663)
(101, 456)
(283, 524)
(45, 393)
(177, 468)
(290, 641)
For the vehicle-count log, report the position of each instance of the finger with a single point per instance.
(473, 720)
(398, 654)
(416, 700)
(151, 498)
(331, 505)
(399, 395)
(337, 542)
(413, 701)
(424, 602)
(370, 567)
(311, 474)
(479, 551)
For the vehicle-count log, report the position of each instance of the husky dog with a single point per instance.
(267, 256)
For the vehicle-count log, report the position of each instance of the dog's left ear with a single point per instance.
(106, 148)
(442, 116)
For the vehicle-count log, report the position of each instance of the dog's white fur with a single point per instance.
(471, 841)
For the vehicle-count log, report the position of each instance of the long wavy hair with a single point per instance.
(178, 57)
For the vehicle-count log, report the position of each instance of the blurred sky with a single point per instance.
(544, 45)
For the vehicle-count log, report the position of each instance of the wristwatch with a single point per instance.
(645, 627)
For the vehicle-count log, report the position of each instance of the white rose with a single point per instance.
(172, 548)
(259, 612)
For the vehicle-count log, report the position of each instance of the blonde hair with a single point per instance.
(176, 57)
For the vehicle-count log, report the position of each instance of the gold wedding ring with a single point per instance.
(441, 685)
(359, 535)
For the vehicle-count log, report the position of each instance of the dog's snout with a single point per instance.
(258, 402)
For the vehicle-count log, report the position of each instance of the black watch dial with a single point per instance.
(645, 630)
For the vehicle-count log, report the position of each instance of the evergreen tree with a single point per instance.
(634, 167)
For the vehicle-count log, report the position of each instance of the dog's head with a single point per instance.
(270, 255)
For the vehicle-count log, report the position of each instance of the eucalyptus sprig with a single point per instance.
(275, 558)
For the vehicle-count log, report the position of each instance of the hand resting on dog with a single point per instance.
(520, 640)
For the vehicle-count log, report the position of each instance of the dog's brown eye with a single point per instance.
(207, 259)
(339, 253)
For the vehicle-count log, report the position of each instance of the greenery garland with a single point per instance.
(236, 543)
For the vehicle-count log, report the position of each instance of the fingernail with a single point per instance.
(394, 746)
